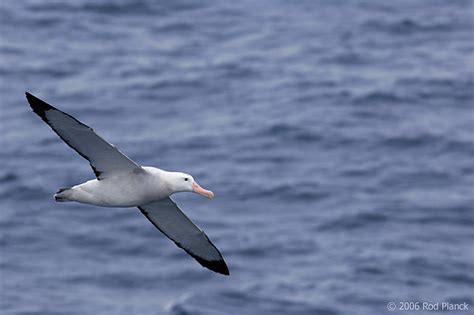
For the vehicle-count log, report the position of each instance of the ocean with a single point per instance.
(338, 137)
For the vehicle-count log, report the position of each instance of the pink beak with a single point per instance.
(199, 190)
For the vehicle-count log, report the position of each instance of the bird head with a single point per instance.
(181, 182)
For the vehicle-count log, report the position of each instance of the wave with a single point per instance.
(287, 131)
(245, 302)
(354, 221)
(408, 26)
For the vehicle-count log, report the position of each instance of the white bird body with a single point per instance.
(121, 182)
(139, 187)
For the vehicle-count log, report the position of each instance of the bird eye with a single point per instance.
(186, 179)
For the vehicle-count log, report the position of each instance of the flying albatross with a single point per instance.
(123, 183)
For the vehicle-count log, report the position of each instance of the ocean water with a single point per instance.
(338, 137)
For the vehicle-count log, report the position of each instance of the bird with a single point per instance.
(121, 182)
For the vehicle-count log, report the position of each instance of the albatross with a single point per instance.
(121, 182)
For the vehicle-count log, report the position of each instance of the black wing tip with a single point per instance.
(218, 266)
(37, 105)
(221, 267)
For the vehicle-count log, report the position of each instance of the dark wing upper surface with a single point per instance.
(169, 219)
(104, 158)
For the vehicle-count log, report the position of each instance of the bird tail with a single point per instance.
(62, 195)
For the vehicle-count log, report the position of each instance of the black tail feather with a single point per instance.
(62, 189)
(58, 197)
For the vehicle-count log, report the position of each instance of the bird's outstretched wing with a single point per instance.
(169, 219)
(105, 159)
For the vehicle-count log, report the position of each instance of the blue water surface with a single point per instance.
(338, 137)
